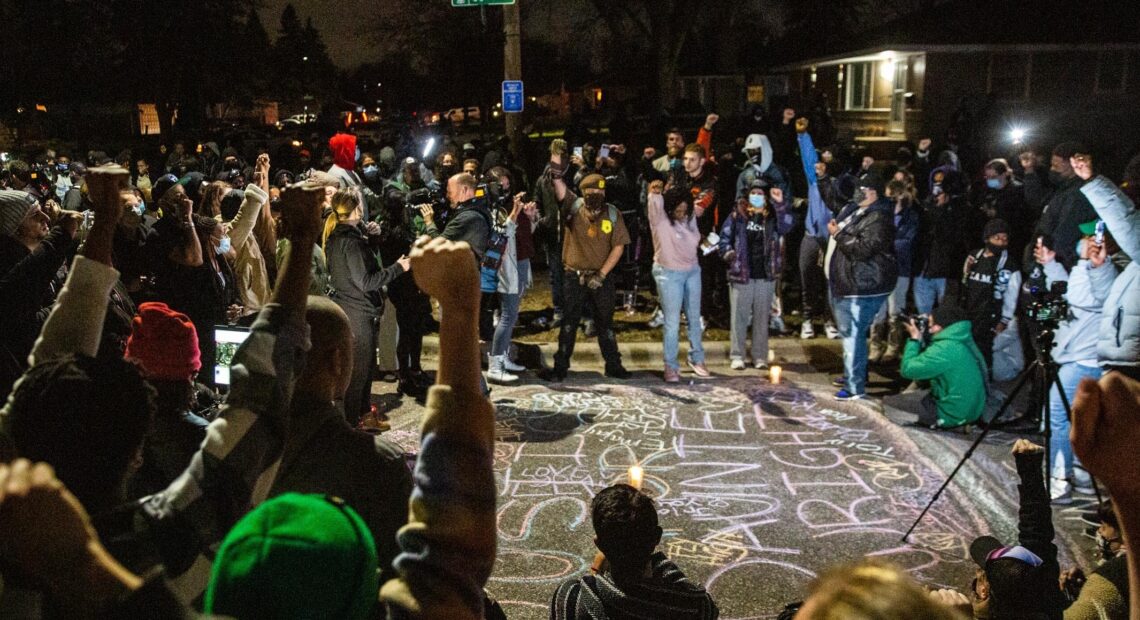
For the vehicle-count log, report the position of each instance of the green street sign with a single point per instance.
(479, 2)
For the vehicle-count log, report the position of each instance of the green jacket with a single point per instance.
(956, 371)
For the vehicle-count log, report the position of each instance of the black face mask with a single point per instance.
(995, 249)
(595, 203)
(1055, 177)
(446, 172)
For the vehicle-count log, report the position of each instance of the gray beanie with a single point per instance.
(14, 208)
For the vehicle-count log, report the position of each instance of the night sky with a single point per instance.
(340, 26)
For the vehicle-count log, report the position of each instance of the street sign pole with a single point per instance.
(512, 71)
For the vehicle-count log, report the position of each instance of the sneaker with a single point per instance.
(1060, 491)
(552, 375)
(704, 324)
(760, 366)
(700, 370)
(831, 330)
(672, 375)
(839, 382)
(845, 395)
(511, 366)
(658, 319)
(807, 332)
(1083, 482)
(737, 364)
(618, 372)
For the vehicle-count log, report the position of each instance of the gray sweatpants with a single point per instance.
(751, 305)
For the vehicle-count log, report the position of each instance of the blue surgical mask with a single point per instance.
(993, 183)
(370, 172)
(756, 200)
(224, 245)
(141, 208)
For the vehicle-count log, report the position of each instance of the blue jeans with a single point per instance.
(896, 302)
(928, 292)
(1060, 448)
(853, 317)
(677, 289)
(509, 312)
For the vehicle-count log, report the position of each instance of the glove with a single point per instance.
(595, 282)
(729, 255)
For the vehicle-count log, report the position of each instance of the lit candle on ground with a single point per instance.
(635, 474)
(774, 374)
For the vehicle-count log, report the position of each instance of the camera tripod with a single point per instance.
(1043, 371)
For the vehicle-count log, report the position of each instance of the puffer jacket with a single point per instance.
(1118, 343)
(734, 237)
(863, 263)
(1076, 339)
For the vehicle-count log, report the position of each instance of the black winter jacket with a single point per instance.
(356, 278)
(863, 263)
(941, 248)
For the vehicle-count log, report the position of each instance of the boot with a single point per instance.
(895, 341)
(510, 366)
(878, 343)
(497, 374)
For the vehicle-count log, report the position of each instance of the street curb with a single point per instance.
(587, 352)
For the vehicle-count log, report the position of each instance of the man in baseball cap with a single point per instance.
(1020, 581)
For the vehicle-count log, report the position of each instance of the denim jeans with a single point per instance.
(1060, 448)
(509, 312)
(853, 317)
(896, 302)
(928, 292)
(677, 290)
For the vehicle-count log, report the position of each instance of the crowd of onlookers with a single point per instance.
(133, 487)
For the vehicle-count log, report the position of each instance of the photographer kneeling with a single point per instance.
(946, 356)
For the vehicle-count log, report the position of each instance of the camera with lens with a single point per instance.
(1048, 307)
(423, 196)
(41, 178)
(921, 321)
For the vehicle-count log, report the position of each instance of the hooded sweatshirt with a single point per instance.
(956, 371)
(343, 147)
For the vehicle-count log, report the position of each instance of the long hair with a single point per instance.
(345, 204)
(675, 196)
(212, 199)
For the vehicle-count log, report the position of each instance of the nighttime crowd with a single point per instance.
(136, 485)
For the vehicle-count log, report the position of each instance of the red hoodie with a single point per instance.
(343, 146)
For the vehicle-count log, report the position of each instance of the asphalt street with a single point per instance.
(760, 487)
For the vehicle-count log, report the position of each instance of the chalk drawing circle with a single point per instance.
(541, 566)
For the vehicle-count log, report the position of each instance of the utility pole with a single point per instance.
(512, 69)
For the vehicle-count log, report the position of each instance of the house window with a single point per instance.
(857, 94)
(1111, 71)
(1009, 76)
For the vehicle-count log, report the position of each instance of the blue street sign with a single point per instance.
(512, 96)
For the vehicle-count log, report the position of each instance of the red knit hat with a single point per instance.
(164, 343)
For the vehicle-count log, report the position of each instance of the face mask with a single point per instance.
(232, 165)
(993, 183)
(1104, 547)
(1080, 248)
(595, 202)
(357, 157)
(995, 249)
(224, 245)
(371, 172)
(141, 208)
(756, 200)
(1055, 177)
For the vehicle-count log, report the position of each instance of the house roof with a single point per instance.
(968, 25)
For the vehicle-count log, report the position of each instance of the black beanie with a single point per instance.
(994, 227)
(948, 313)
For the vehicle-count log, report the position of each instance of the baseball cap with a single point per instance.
(985, 549)
(1088, 228)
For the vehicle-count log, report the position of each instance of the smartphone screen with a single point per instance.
(604, 152)
(577, 151)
